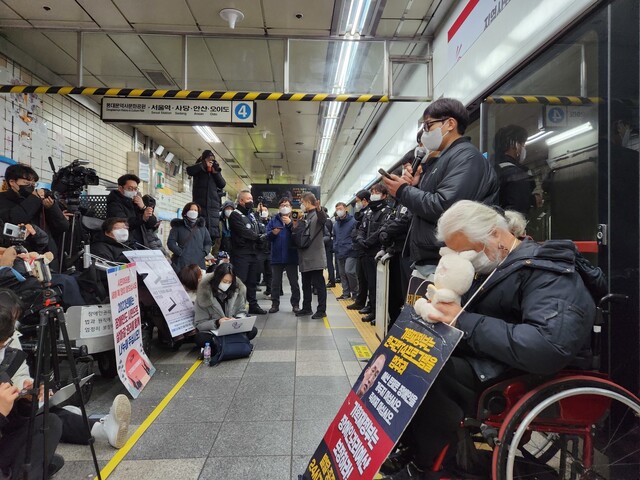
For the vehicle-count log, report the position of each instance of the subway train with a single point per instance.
(291, 98)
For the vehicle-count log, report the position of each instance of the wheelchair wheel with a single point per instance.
(578, 428)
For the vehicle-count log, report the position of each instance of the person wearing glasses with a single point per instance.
(460, 172)
(126, 202)
(23, 203)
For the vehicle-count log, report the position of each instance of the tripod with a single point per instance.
(69, 256)
(48, 367)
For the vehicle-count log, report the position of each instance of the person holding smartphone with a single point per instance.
(126, 202)
(284, 256)
(208, 183)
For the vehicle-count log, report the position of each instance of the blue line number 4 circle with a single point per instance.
(243, 111)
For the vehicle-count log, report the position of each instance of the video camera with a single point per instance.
(70, 180)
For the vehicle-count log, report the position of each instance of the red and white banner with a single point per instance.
(477, 16)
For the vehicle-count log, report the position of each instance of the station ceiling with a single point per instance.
(139, 43)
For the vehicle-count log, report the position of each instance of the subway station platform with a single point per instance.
(254, 418)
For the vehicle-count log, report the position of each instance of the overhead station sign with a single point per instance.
(178, 111)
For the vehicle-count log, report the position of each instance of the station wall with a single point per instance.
(65, 130)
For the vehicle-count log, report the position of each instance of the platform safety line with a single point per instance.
(119, 456)
(193, 94)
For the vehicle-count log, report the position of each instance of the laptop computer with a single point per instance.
(237, 325)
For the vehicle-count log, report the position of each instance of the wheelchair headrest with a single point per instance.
(92, 223)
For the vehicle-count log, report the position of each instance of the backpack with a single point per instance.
(301, 235)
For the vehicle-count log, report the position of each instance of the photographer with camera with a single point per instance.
(126, 202)
(207, 185)
(63, 424)
(14, 409)
(23, 203)
(28, 243)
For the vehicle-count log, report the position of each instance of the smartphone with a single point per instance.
(384, 173)
(14, 231)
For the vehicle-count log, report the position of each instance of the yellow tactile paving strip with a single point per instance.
(366, 330)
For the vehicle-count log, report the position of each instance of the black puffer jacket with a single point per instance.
(109, 249)
(189, 244)
(533, 315)
(460, 173)
(377, 215)
(122, 207)
(205, 193)
(516, 185)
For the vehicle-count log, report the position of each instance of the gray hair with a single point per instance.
(517, 223)
(241, 194)
(476, 220)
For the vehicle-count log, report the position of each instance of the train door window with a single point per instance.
(541, 129)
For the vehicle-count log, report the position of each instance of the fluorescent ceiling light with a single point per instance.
(207, 134)
(169, 157)
(538, 136)
(561, 137)
(268, 155)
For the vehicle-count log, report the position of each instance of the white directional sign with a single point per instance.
(176, 111)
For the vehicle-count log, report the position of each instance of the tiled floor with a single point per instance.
(254, 418)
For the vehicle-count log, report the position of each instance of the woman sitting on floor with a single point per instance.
(190, 277)
(221, 297)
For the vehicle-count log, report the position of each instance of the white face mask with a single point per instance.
(523, 154)
(130, 195)
(121, 235)
(340, 213)
(303, 208)
(285, 210)
(376, 197)
(224, 286)
(433, 139)
(358, 207)
(192, 214)
(482, 264)
(227, 213)
(264, 214)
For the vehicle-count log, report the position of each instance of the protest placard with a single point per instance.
(166, 289)
(383, 400)
(134, 368)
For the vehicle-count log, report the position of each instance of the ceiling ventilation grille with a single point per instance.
(159, 78)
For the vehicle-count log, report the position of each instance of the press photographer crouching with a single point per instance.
(20, 244)
(63, 424)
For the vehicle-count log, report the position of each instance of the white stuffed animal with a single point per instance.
(453, 277)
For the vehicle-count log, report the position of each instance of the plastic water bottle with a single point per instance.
(207, 354)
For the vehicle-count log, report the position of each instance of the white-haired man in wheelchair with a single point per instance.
(533, 315)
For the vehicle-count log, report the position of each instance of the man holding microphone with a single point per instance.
(126, 202)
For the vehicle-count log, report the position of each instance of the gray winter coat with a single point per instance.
(533, 315)
(314, 257)
(209, 309)
(188, 244)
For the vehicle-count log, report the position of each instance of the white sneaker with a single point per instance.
(115, 426)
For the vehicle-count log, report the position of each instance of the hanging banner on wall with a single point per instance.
(166, 289)
(134, 368)
(178, 111)
(383, 400)
(270, 194)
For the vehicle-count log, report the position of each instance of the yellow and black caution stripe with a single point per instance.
(193, 94)
(544, 100)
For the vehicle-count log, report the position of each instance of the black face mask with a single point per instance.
(25, 190)
(248, 206)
